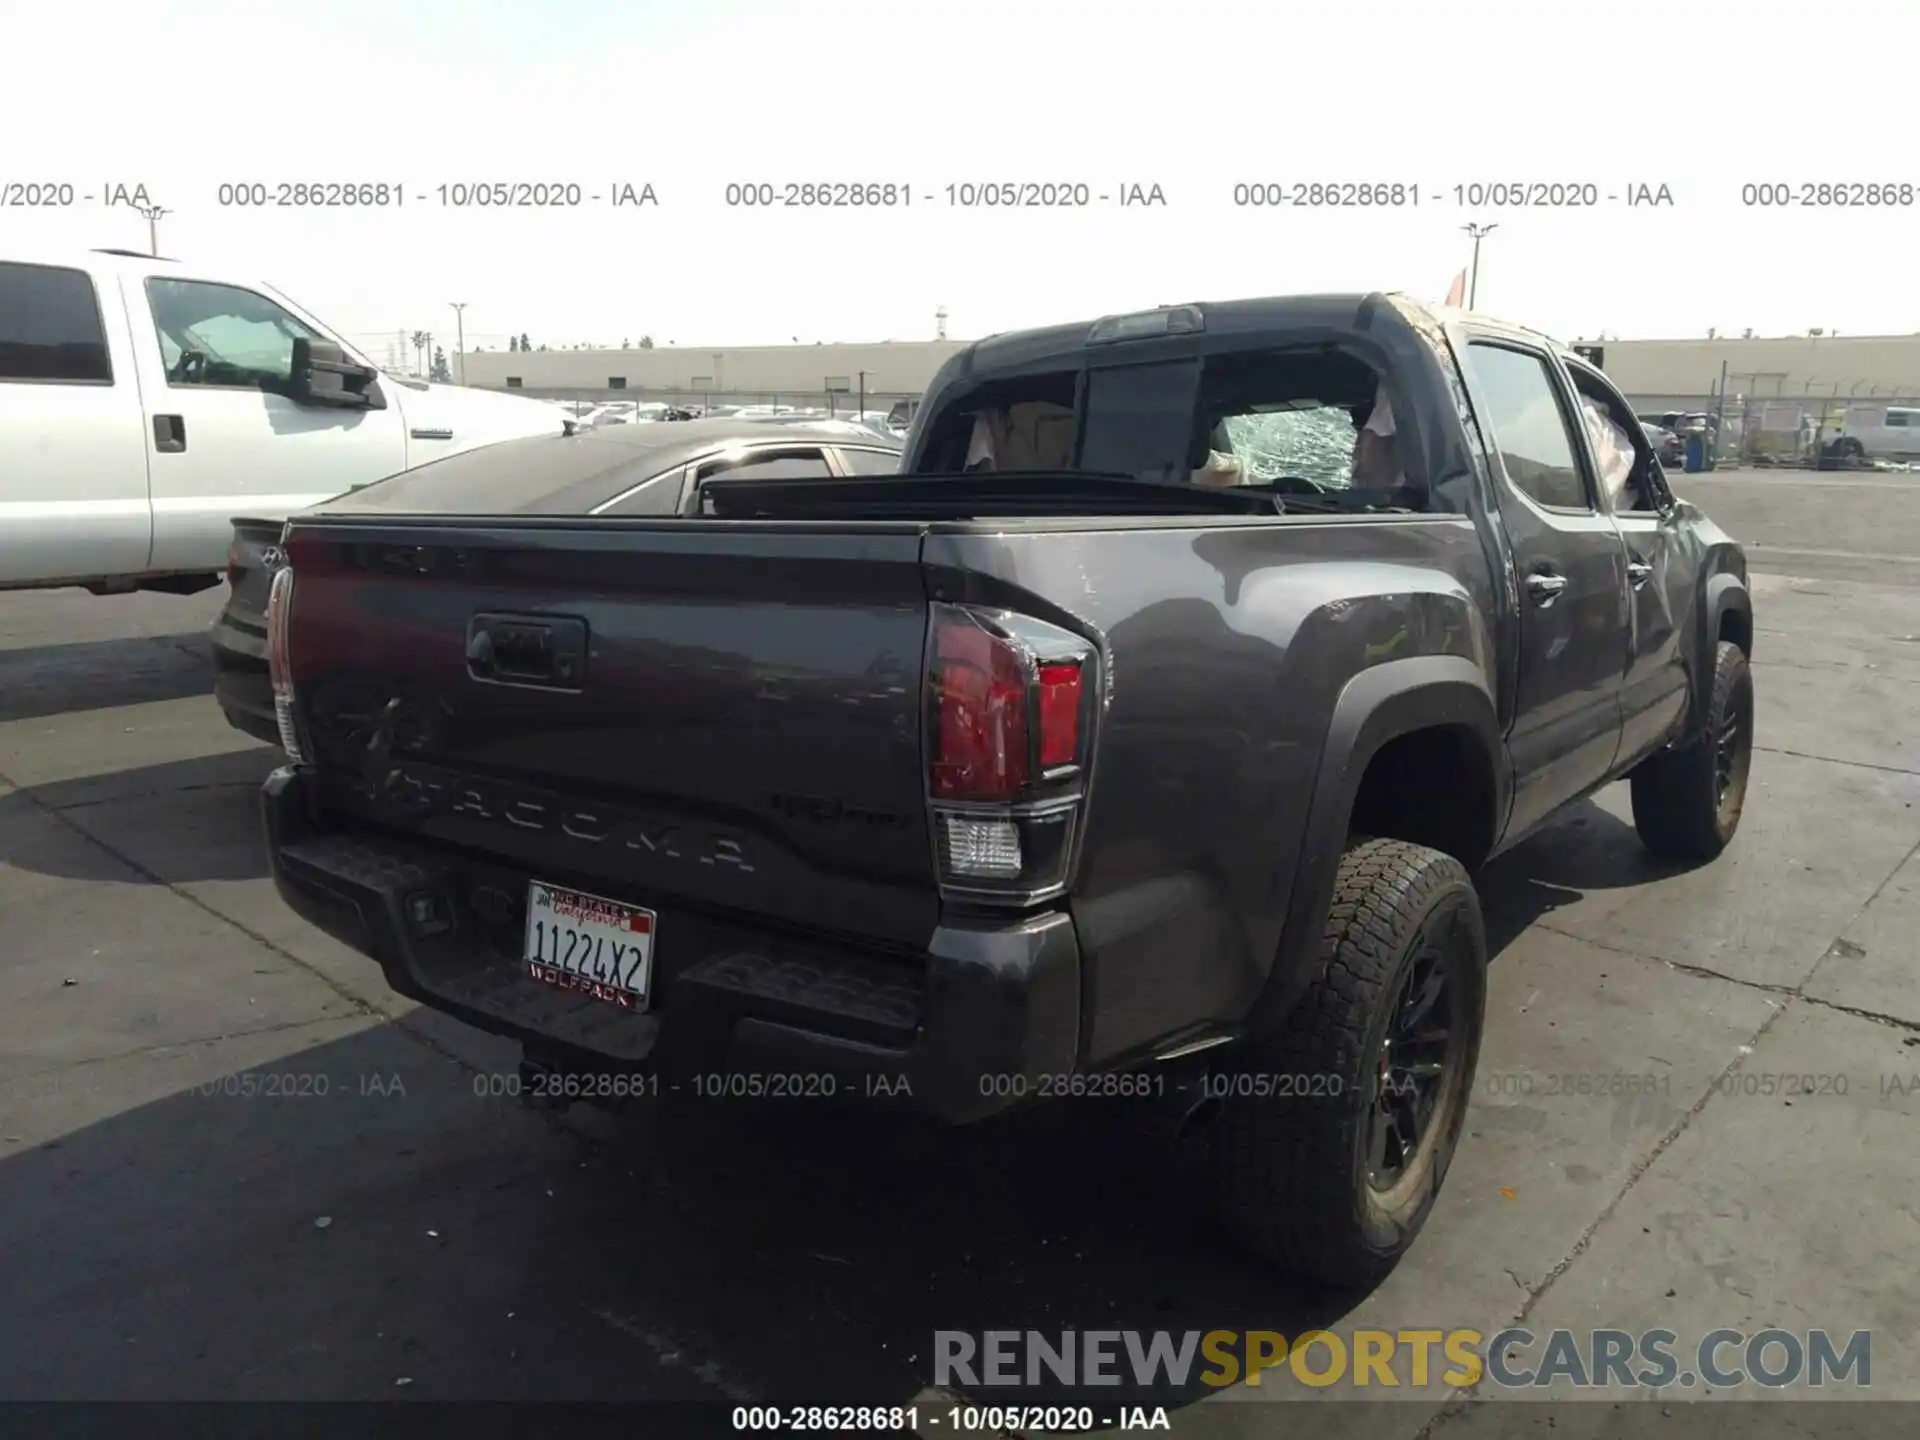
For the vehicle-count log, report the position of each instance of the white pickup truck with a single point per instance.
(144, 403)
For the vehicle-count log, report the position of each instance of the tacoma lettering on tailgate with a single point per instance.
(422, 794)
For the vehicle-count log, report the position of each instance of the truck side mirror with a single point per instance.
(322, 375)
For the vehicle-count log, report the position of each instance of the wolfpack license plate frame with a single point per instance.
(590, 944)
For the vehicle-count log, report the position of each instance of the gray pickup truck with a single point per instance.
(1139, 739)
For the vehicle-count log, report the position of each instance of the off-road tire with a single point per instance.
(1679, 806)
(1291, 1177)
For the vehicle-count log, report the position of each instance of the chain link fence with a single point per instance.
(428, 356)
(1768, 420)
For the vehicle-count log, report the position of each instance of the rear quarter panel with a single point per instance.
(1719, 590)
(1227, 648)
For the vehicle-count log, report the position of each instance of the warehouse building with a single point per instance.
(1687, 374)
(795, 374)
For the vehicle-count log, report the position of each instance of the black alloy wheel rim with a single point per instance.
(1415, 1057)
(1730, 749)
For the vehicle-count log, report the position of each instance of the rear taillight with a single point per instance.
(1060, 699)
(1010, 704)
(235, 562)
(983, 749)
(279, 666)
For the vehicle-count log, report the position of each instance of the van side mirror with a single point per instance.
(322, 375)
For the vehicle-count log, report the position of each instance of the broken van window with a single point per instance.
(1030, 435)
(1308, 439)
(1296, 415)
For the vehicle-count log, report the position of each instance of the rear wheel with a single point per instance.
(1335, 1133)
(1687, 802)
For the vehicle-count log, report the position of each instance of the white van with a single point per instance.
(144, 403)
(1890, 432)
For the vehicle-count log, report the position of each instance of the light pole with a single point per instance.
(861, 413)
(153, 214)
(1478, 233)
(460, 337)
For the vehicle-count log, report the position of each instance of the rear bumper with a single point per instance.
(956, 1033)
(241, 682)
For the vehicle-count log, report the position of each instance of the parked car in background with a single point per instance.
(852, 429)
(612, 412)
(1685, 422)
(1091, 772)
(627, 470)
(1671, 449)
(144, 401)
(626, 412)
(881, 426)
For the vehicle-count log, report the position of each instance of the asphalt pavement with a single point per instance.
(233, 1166)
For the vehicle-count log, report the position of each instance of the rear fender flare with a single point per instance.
(1379, 704)
(1724, 593)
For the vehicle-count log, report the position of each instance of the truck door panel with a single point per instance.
(246, 447)
(1571, 567)
(73, 485)
(1654, 690)
(1660, 570)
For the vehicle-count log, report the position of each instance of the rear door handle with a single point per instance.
(1544, 587)
(170, 433)
(1638, 573)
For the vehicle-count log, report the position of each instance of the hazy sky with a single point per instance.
(1194, 97)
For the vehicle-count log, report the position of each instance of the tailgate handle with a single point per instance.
(540, 651)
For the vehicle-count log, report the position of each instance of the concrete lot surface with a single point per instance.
(232, 1165)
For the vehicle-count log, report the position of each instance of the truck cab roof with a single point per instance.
(116, 261)
(104, 257)
(1216, 325)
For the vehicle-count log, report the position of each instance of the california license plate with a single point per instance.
(589, 944)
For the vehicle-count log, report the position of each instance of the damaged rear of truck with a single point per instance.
(1063, 780)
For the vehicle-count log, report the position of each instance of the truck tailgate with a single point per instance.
(724, 717)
